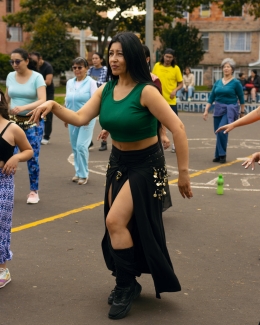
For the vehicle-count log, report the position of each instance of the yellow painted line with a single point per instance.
(58, 216)
(204, 171)
(94, 205)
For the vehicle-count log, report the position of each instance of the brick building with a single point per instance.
(236, 36)
(10, 37)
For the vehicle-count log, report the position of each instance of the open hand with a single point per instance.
(251, 161)
(226, 128)
(41, 111)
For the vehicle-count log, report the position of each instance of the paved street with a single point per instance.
(58, 272)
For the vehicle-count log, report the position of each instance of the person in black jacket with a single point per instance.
(253, 85)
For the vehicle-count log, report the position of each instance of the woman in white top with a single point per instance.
(188, 85)
(78, 91)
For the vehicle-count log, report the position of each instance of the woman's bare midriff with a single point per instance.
(2, 163)
(136, 145)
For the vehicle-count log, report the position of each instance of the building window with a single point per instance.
(14, 34)
(237, 42)
(9, 5)
(205, 10)
(234, 12)
(205, 40)
(218, 74)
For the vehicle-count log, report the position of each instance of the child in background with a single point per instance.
(11, 135)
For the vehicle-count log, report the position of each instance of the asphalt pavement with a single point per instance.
(58, 272)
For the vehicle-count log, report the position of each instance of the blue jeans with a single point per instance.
(181, 92)
(34, 136)
(222, 139)
(80, 138)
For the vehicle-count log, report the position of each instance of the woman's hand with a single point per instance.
(165, 141)
(41, 111)
(103, 135)
(205, 115)
(11, 165)
(65, 124)
(16, 110)
(251, 161)
(184, 185)
(226, 128)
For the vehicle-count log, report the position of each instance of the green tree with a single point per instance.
(5, 66)
(186, 43)
(236, 6)
(51, 39)
(92, 13)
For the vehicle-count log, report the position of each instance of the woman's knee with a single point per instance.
(111, 224)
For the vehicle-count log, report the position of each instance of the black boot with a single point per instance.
(103, 146)
(127, 288)
(123, 298)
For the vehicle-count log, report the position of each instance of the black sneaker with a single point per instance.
(216, 159)
(103, 146)
(222, 159)
(123, 298)
(111, 297)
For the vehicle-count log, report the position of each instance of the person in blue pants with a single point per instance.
(228, 96)
(78, 91)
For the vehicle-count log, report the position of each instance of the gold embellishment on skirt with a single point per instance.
(22, 121)
(118, 175)
(160, 179)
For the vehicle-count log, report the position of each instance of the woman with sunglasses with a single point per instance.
(25, 90)
(136, 183)
(78, 91)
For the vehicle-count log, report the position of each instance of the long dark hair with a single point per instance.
(169, 51)
(25, 55)
(134, 57)
(3, 106)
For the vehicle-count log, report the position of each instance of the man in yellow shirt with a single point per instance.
(171, 79)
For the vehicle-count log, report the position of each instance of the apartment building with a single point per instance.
(236, 36)
(10, 37)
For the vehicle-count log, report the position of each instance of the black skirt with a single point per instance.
(146, 171)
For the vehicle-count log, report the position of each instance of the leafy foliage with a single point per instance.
(52, 40)
(92, 13)
(186, 43)
(5, 66)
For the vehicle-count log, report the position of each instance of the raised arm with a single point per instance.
(248, 119)
(81, 117)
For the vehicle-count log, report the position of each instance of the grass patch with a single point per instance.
(59, 99)
(60, 90)
(3, 88)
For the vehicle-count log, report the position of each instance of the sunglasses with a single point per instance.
(75, 67)
(17, 62)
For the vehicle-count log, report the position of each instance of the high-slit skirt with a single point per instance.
(146, 171)
(6, 212)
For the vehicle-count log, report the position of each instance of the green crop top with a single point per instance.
(126, 119)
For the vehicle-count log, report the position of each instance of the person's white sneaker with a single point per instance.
(44, 141)
(189, 99)
(82, 181)
(33, 197)
(178, 100)
(5, 277)
(173, 150)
